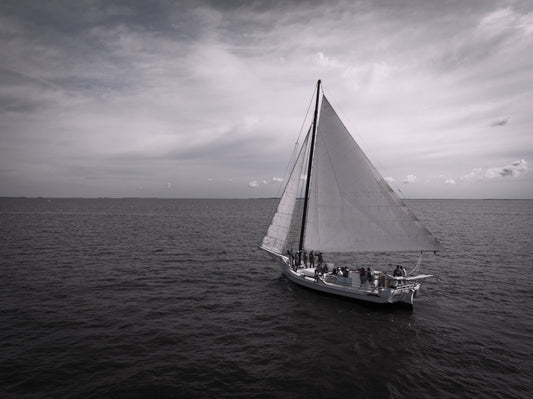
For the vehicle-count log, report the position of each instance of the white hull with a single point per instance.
(403, 294)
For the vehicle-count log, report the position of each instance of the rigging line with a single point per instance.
(300, 154)
(289, 168)
(305, 177)
(309, 166)
(306, 114)
(295, 150)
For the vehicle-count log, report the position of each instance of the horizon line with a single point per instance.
(243, 198)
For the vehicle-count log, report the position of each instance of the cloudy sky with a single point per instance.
(206, 98)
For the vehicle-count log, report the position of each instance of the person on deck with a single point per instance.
(362, 275)
(370, 276)
(304, 255)
(291, 257)
(311, 259)
(397, 272)
(381, 280)
(320, 259)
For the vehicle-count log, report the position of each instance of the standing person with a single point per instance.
(362, 275)
(319, 271)
(381, 280)
(320, 259)
(311, 259)
(370, 276)
(305, 257)
(291, 257)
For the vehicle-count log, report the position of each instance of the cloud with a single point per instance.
(517, 168)
(476, 173)
(389, 179)
(188, 91)
(409, 179)
(450, 181)
(277, 179)
(500, 122)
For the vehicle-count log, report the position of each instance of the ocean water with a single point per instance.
(135, 298)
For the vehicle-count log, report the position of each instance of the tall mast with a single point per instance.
(309, 166)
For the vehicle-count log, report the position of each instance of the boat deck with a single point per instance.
(386, 289)
(382, 282)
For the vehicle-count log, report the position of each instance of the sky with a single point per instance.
(207, 98)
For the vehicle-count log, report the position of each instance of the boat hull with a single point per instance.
(403, 295)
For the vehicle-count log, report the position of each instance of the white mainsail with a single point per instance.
(351, 207)
(279, 228)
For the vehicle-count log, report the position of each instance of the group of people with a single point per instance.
(369, 276)
(341, 271)
(366, 275)
(307, 259)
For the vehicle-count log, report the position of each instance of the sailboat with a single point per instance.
(348, 208)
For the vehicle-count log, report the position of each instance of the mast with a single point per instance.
(309, 166)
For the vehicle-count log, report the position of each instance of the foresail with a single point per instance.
(351, 207)
(281, 222)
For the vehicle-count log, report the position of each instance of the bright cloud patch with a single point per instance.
(389, 179)
(409, 179)
(476, 173)
(253, 184)
(517, 168)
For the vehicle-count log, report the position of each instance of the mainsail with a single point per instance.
(278, 230)
(351, 207)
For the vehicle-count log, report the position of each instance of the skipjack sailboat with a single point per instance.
(347, 208)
